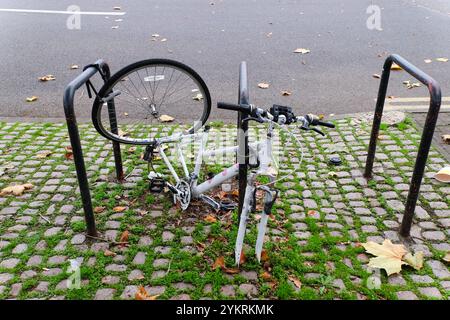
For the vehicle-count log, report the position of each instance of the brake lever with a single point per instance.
(313, 129)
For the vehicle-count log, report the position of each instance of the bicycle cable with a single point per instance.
(276, 164)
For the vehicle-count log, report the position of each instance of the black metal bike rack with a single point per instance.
(427, 135)
(72, 126)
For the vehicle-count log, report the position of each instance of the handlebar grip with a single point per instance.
(234, 107)
(325, 124)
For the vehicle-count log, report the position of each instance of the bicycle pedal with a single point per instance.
(227, 206)
(157, 185)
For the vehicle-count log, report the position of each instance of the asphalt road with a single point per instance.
(213, 36)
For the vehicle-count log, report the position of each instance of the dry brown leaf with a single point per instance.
(231, 270)
(16, 190)
(124, 236)
(264, 256)
(311, 212)
(166, 118)
(296, 281)
(198, 97)
(388, 255)
(396, 67)
(120, 209)
(43, 154)
(219, 263)
(142, 294)
(210, 218)
(302, 50)
(32, 99)
(446, 138)
(285, 93)
(266, 276)
(263, 85)
(99, 209)
(109, 253)
(48, 77)
(243, 258)
(69, 154)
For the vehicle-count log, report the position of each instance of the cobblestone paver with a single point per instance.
(324, 212)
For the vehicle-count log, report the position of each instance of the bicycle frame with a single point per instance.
(262, 150)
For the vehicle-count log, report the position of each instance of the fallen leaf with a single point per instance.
(302, 50)
(198, 97)
(155, 35)
(32, 99)
(446, 138)
(119, 209)
(264, 256)
(285, 93)
(219, 263)
(243, 258)
(311, 212)
(166, 118)
(442, 59)
(415, 261)
(142, 294)
(48, 77)
(447, 257)
(74, 67)
(109, 253)
(263, 85)
(16, 190)
(210, 218)
(117, 8)
(427, 60)
(69, 154)
(122, 133)
(115, 27)
(396, 67)
(231, 270)
(99, 209)
(388, 255)
(131, 149)
(43, 154)
(269, 35)
(296, 281)
(266, 276)
(377, 76)
(332, 174)
(163, 40)
(124, 236)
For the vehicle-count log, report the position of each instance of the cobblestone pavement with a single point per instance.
(442, 127)
(313, 240)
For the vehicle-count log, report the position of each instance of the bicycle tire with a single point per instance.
(117, 78)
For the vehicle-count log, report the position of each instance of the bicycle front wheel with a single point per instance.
(138, 102)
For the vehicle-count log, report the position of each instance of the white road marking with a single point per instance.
(94, 13)
(413, 104)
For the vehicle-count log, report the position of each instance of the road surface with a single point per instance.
(213, 36)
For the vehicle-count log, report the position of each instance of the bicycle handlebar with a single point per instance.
(235, 107)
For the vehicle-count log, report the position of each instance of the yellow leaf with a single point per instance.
(388, 255)
(415, 261)
(119, 209)
(166, 118)
(48, 77)
(396, 67)
(99, 209)
(122, 133)
(263, 85)
(447, 257)
(143, 295)
(446, 138)
(302, 50)
(16, 190)
(266, 276)
(442, 59)
(74, 67)
(32, 99)
(131, 149)
(43, 154)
